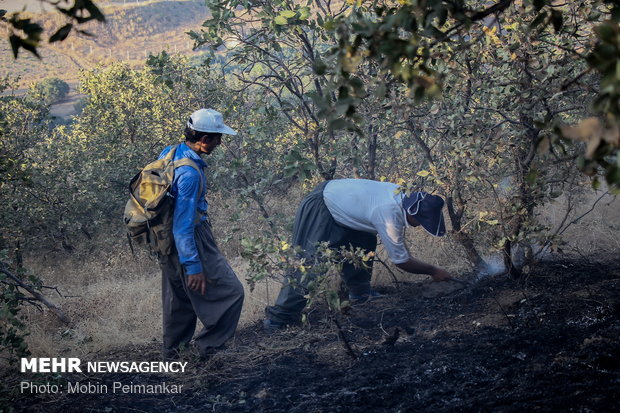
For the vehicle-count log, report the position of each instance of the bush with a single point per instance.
(50, 90)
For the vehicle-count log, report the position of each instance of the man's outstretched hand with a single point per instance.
(443, 275)
(416, 266)
(197, 282)
(440, 274)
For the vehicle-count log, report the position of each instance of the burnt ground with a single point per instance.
(551, 343)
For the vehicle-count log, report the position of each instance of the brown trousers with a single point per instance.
(218, 310)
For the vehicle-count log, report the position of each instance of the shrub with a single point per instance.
(50, 90)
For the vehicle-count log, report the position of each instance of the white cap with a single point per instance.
(209, 120)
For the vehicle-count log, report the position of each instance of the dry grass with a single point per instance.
(114, 302)
(589, 233)
(114, 298)
(131, 32)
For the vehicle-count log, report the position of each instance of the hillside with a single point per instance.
(132, 32)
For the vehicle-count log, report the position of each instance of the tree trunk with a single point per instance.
(463, 238)
(18, 256)
(524, 157)
(511, 269)
(372, 153)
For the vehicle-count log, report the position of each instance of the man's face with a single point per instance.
(208, 143)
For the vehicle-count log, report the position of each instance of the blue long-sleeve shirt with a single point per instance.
(188, 205)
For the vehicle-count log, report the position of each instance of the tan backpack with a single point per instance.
(149, 211)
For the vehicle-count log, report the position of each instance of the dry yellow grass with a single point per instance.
(114, 298)
(113, 306)
(589, 232)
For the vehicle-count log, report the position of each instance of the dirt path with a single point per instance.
(66, 108)
(550, 344)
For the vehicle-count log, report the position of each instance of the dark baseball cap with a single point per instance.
(426, 209)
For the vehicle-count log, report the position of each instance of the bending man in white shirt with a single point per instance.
(352, 212)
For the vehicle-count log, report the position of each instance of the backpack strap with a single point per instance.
(170, 155)
(183, 162)
(189, 162)
(186, 162)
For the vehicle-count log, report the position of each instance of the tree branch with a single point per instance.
(38, 296)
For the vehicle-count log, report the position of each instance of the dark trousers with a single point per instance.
(313, 224)
(218, 310)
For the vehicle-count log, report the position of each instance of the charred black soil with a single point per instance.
(549, 343)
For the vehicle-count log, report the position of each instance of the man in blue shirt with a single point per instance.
(197, 281)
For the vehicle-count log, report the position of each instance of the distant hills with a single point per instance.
(133, 30)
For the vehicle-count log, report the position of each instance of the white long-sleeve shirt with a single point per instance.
(370, 206)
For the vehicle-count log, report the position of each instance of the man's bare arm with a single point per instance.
(419, 267)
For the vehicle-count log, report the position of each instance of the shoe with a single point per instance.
(171, 355)
(271, 326)
(362, 298)
(209, 352)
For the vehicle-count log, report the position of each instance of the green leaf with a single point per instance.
(357, 85)
(329, 24)
(281, 20)
(17, 42)
(606, 32)
(381, 91)
(557, 19)
(613, 174)
(418, 93)
(61, 34)
(319, 67)
(288, 14)
(538, 20)
(85, 33)
(94, 11)
(337, 124)
(304, 13)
